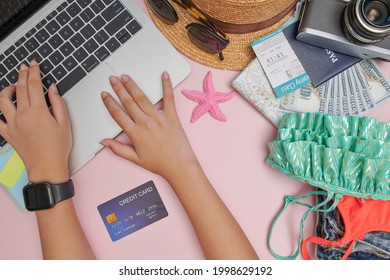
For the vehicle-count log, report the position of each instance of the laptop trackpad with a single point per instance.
(91, 122)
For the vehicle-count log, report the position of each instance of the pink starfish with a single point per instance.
(208, 100)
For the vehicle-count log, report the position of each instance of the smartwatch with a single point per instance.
(40, 196)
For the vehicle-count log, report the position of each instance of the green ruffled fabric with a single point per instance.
(344, 155)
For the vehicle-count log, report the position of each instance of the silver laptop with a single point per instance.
(79, 44)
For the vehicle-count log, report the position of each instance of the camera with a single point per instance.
(358, 28)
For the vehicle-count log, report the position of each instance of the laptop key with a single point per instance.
(87, 15)
(41, 24)
(3, 71)
(90, 63)
(88, 31)
(108, 2)
(66, 49)
(31, 44)
(101, 37)
(118, 22)
(70, 63)
(12, 77)
(62, 7)
(63, 18)
(48, 80)
(59, 72)
(83, 3)
(66, 32)
(80, 54)
(21, 53)
(52, 27)
(98, 22)
(70, 80)
(9, 50)
(56, 58)
(123, 36)
(112, 11)
(2, 56)
(10, 62)
(46, 67)
(76, 23)
(102, 53)
(77, 40)
(20, 41)
(52, 15)
(97, 6)
(90, 46)
(133, 27)
(45, 50)
(42, 36)
(55, 41)
(31, 32)
(73, 10)
(112, 44)
(3, 84)
(35, 56)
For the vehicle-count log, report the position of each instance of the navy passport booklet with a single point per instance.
(320, 64)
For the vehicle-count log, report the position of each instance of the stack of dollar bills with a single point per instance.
(355, 91)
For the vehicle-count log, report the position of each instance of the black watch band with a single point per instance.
(62, 191)
(44, 195)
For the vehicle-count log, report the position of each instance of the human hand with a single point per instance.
(42, 140)
(159, 142)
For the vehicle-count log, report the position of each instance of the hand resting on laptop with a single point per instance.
(159, 144)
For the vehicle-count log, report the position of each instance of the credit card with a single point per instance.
(132, 211)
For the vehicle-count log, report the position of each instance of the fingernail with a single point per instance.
(125, 78)
(33, 62)
(53, 88)
(104, 94)
(23, 67)
(104, 144)
(114, 80)
(166, 76)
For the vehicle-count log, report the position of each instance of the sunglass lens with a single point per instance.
(164, 11)
(205, 39)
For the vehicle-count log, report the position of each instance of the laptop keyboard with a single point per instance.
(69, 43)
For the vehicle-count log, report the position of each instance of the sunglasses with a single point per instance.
(205, 35)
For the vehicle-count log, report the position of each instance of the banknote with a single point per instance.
(355, 91)
(364, 87)
(351, 96)
(378, 84)
(306, 99)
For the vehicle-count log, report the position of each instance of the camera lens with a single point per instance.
(366, 21)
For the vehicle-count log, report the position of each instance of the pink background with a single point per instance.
(233, 156)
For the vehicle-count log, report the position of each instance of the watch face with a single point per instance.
(38, 196)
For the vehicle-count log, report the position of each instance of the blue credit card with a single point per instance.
(132, 211)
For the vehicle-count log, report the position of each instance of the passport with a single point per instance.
(320, 64)
(132, 211)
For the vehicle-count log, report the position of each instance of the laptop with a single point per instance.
(79, 44)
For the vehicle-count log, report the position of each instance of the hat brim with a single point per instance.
(238, 53)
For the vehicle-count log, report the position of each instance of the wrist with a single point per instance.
(53, 174)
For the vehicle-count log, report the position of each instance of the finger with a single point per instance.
(118, 114)
(169, 98)
(127, 100)
(122, 150)
(58, 106)
(138, 95)
(6, 105)
(22, 88)
(35, 88)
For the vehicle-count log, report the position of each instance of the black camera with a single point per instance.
(358, 28)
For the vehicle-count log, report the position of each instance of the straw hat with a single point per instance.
(244, 21)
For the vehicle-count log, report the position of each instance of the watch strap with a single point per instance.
(62, 191)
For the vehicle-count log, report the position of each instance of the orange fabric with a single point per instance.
(360, 216)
